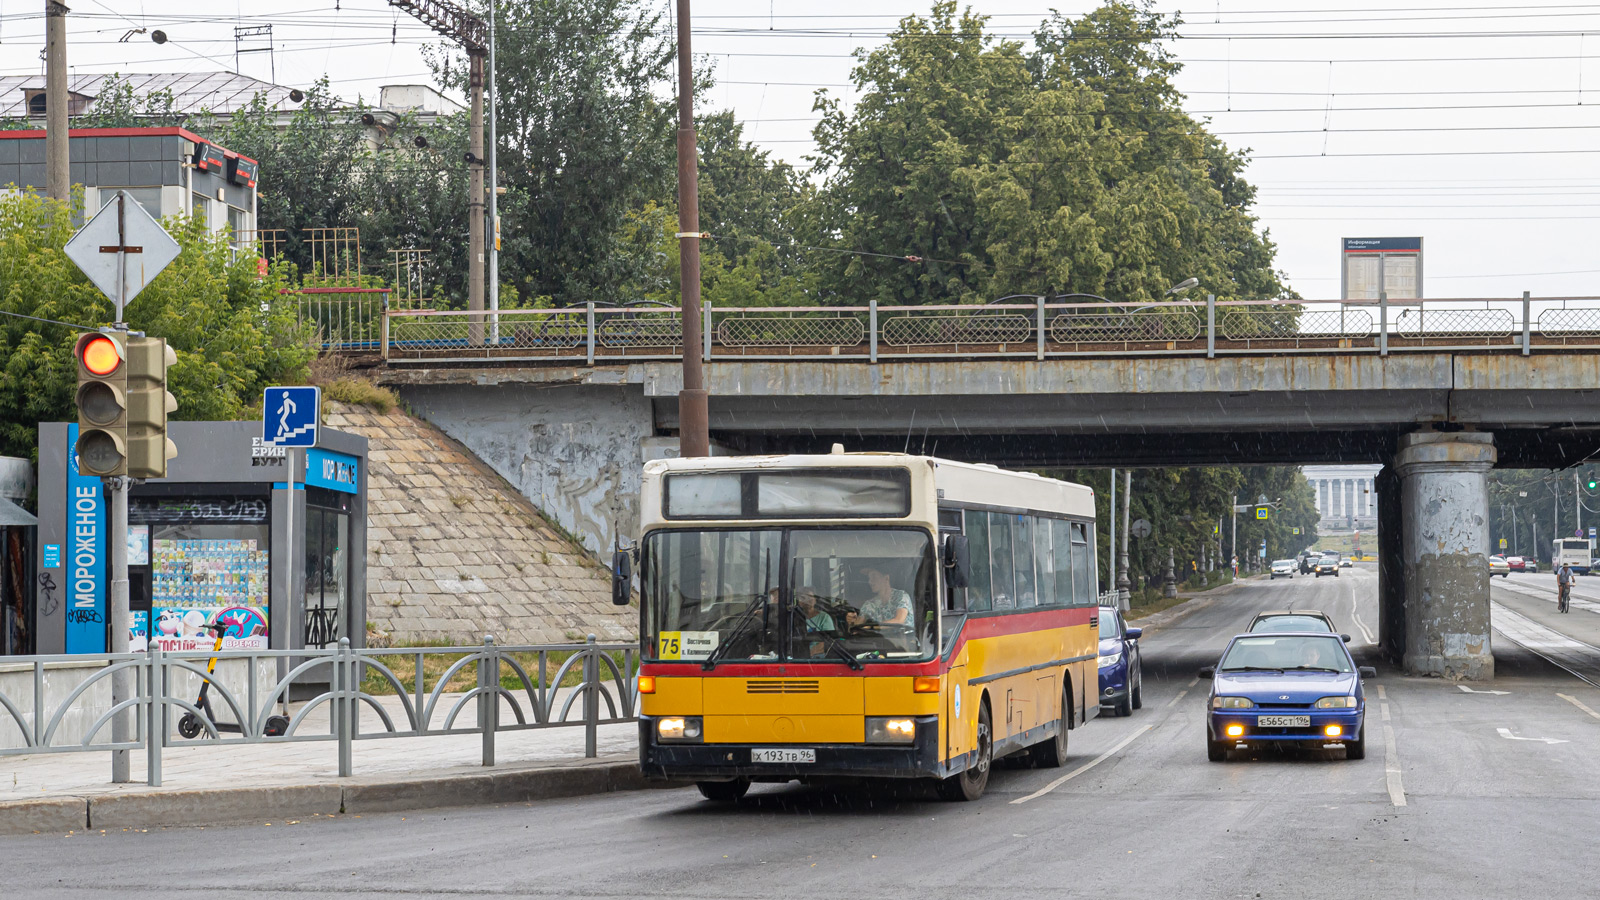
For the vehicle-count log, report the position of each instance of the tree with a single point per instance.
(234, 333)
(1068, 168)
(586, 143)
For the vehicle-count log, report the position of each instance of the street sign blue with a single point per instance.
(290, 415)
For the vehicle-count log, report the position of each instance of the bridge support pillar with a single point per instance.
(1445, 506)
(1391, 565)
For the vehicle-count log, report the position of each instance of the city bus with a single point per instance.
(1572, 551)
(860, 615)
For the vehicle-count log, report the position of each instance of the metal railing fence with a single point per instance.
(595, 334)
(506, 689)
(344, 319)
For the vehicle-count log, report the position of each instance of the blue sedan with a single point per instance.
(1286, 688)
(1121, 677)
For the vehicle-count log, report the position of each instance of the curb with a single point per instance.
(58, 814)
(1192, 605)
(152, 809)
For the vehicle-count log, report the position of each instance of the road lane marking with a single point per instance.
(1579, 704)
(1506, 733)
(1193, 682)
(1174, 701)
(1391, 755)
(1467, 690)
(1365, 632)
(1083, 768)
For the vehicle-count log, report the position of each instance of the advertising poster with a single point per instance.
(197, 583)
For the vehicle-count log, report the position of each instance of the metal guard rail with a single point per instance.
(597, 334)
(608, 674)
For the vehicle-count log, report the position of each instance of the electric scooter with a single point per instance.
(191, 726)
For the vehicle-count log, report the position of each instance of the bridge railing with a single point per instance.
(1039, 329)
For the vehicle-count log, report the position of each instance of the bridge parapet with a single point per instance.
(597, 333)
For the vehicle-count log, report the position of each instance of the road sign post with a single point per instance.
(102, 249)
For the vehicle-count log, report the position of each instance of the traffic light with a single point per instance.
(1592, 483)
(149, 403)
(102, 404)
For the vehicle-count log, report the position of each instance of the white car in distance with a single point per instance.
(1284, 567)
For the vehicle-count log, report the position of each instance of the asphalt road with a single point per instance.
(1491, 808)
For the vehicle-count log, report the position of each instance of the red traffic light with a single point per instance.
(100, 355)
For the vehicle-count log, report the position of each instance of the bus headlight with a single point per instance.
(890, 730)
(679, 728)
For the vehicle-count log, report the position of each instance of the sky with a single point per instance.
(1470, 124)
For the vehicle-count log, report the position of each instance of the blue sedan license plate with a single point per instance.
(1283, 721)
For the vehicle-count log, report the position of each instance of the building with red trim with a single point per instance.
(169, 171)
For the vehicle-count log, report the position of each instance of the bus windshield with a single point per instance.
(845, 595)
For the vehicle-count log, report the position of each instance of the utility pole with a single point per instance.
(1111, 554)
(1577, 505)
(694, 414)
(57, 171)
(494, 193)
(1123, 581)
(452, 21)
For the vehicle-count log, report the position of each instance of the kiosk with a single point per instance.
(270, 541)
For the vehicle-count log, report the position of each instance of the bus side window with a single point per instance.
(1081, 574)
(1022, 545)
(1044, 558)
(1061, 539)
(977, 531)
(1002, 584)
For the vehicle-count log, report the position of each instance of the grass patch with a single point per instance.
(434, 665)
(359, 392)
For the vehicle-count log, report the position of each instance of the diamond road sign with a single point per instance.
(122, 249)
(289, 416)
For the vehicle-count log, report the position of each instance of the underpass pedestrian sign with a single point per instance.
(289, 416)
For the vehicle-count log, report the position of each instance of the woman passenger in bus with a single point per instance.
(886, 606)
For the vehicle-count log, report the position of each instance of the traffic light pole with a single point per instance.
(117, 493)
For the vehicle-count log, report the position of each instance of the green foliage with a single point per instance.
(1070, 167)
(1189, 510)
(585, 143)
(234, 334)
(1524, 502)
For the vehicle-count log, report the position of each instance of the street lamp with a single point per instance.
(1184, 285)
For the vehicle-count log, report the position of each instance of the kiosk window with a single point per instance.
(327, 566)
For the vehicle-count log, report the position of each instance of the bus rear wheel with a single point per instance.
(1052, 754)
(724, 791)
(969, 784)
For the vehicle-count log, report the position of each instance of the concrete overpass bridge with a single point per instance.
(565, 404)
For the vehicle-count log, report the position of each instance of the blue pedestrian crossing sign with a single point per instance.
(289, 416)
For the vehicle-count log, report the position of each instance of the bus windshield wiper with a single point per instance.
(745, 618)
(836, 645)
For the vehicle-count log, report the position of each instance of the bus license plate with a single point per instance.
(1283, 721)
(782, 755)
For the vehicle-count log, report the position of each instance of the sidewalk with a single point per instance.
(205, 782)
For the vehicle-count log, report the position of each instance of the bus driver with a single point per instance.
(886, 606)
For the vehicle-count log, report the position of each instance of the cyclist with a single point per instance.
(1563, 587)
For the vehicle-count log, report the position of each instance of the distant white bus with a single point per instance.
(1572, 551)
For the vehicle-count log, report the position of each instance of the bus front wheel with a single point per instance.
(969, 784)
(724, 791)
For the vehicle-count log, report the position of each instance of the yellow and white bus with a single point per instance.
(863, 614)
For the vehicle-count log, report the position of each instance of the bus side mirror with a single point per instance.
(956, 560)
(621, 577)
